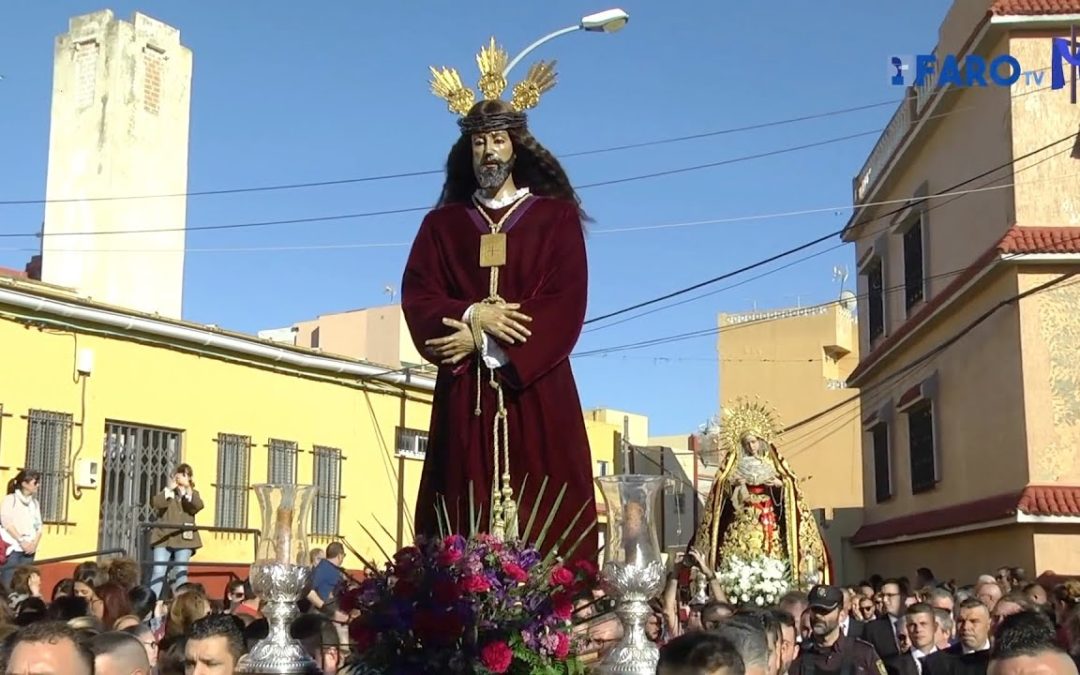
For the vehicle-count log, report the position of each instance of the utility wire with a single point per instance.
(715, 330)
(798, 261)
(813, 242)
(914, 364)
(956, 337)
(416, 209)
(398, 244)
(430, 172)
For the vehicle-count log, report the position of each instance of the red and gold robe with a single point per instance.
(546, 271)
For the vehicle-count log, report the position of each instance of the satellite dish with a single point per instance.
(848, 300)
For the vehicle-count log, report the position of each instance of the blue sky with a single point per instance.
(339, 89)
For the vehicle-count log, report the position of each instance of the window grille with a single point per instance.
(233, 462)
(48, 445)
(281, 467)
(326, 516)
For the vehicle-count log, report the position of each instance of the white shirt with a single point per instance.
(919, 655)
(985, 647)
(492, 352)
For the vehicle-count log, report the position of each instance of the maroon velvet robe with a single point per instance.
(546, 271)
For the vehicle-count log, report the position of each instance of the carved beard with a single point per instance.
(491, 177)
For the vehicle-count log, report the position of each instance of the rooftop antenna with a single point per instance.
(840, 274)
(389, 290)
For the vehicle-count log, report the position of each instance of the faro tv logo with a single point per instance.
(974, 71)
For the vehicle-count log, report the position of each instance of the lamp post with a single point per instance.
(607, 21)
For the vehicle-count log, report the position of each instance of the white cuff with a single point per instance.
(492, 352)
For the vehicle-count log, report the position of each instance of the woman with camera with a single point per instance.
(176, 506)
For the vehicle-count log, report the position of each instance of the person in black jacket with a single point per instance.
(881, 632)
(828, 650)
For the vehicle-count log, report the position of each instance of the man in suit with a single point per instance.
(924, 656)
(881, 632)
(849, 616)
(971, 653)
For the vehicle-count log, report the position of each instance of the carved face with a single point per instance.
(492, 158)
(753, 445)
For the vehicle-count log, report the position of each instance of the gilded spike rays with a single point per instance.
(744, 417)
(492, 61)
(447, 85)
(540, 79)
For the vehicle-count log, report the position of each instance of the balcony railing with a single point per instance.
(901, 123)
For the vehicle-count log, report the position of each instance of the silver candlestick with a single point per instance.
(633, 570)
(278, 577)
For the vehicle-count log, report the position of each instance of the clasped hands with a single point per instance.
(502, 321)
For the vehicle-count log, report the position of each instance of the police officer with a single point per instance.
(828, 650)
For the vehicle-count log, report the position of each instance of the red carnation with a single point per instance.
(496, 656)
(446, 592)
(586, 568)
(362, 635)
(561, 607)
(437, 629)
(475, 583)
(560, 576)
(404, 588)
(562, 647)
(514, 571)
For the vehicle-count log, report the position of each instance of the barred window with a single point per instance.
(48, 442)
(282, 463)
(411, 443)
(326, 517)
(234, 458)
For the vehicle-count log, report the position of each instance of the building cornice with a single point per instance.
(14, 294)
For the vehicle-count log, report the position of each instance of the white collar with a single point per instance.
(985, 647)
(918, 654)
(496, 204)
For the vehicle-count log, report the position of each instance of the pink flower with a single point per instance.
(475, 583)
(514, 571)
(496, 656)
(449, 556)
(562, 647)
(560, 576)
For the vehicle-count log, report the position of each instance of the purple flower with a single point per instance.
(529, 559)
(549, 642)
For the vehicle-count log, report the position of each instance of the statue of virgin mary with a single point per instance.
(756, 508)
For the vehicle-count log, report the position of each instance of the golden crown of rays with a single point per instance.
(746, 416)
(492, 60)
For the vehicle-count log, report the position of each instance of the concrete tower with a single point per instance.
(120, 113)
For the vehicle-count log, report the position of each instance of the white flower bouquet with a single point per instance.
(759, 581)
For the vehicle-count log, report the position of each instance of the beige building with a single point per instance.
(376, 334)
(969, 376)
(797, 360)
(120, 109)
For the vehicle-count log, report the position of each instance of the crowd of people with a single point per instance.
(1001, 624)
(104, 620)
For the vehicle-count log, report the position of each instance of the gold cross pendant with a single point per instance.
(493, 249)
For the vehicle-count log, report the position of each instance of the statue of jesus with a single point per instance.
(494, 293)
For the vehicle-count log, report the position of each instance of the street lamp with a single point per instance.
(607, 21)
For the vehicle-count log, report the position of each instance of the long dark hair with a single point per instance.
(23, 476)
(534, 166)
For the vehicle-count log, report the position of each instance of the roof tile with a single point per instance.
(1034, 7)
(1033, 500)
(1050, 500)
(1017, 240)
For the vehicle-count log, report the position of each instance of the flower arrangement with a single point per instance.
(759, 581)
(469, 605)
